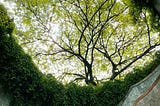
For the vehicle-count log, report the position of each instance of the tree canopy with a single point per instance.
(24, 84)
(87, 38)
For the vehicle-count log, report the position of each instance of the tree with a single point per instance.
(88, 21)
(99, 35)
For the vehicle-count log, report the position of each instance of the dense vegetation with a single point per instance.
(81, 39)
(27, 86)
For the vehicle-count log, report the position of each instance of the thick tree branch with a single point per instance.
(133, 61)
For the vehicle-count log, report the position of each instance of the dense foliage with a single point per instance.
(18, 74)
(137, 7)
(27, 86)
(6, 24)
(83, 39)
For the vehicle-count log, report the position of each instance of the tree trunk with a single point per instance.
(89, 77)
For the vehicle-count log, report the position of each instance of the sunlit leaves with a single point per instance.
(105, 33)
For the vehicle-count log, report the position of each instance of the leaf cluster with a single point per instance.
(6, 24)
(137, 7)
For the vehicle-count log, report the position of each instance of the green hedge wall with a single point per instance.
(27, 86)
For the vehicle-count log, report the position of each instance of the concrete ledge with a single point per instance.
(142, 88)
(4, 98)
(151, 97)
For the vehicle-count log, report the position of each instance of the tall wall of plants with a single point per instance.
(27, 86)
